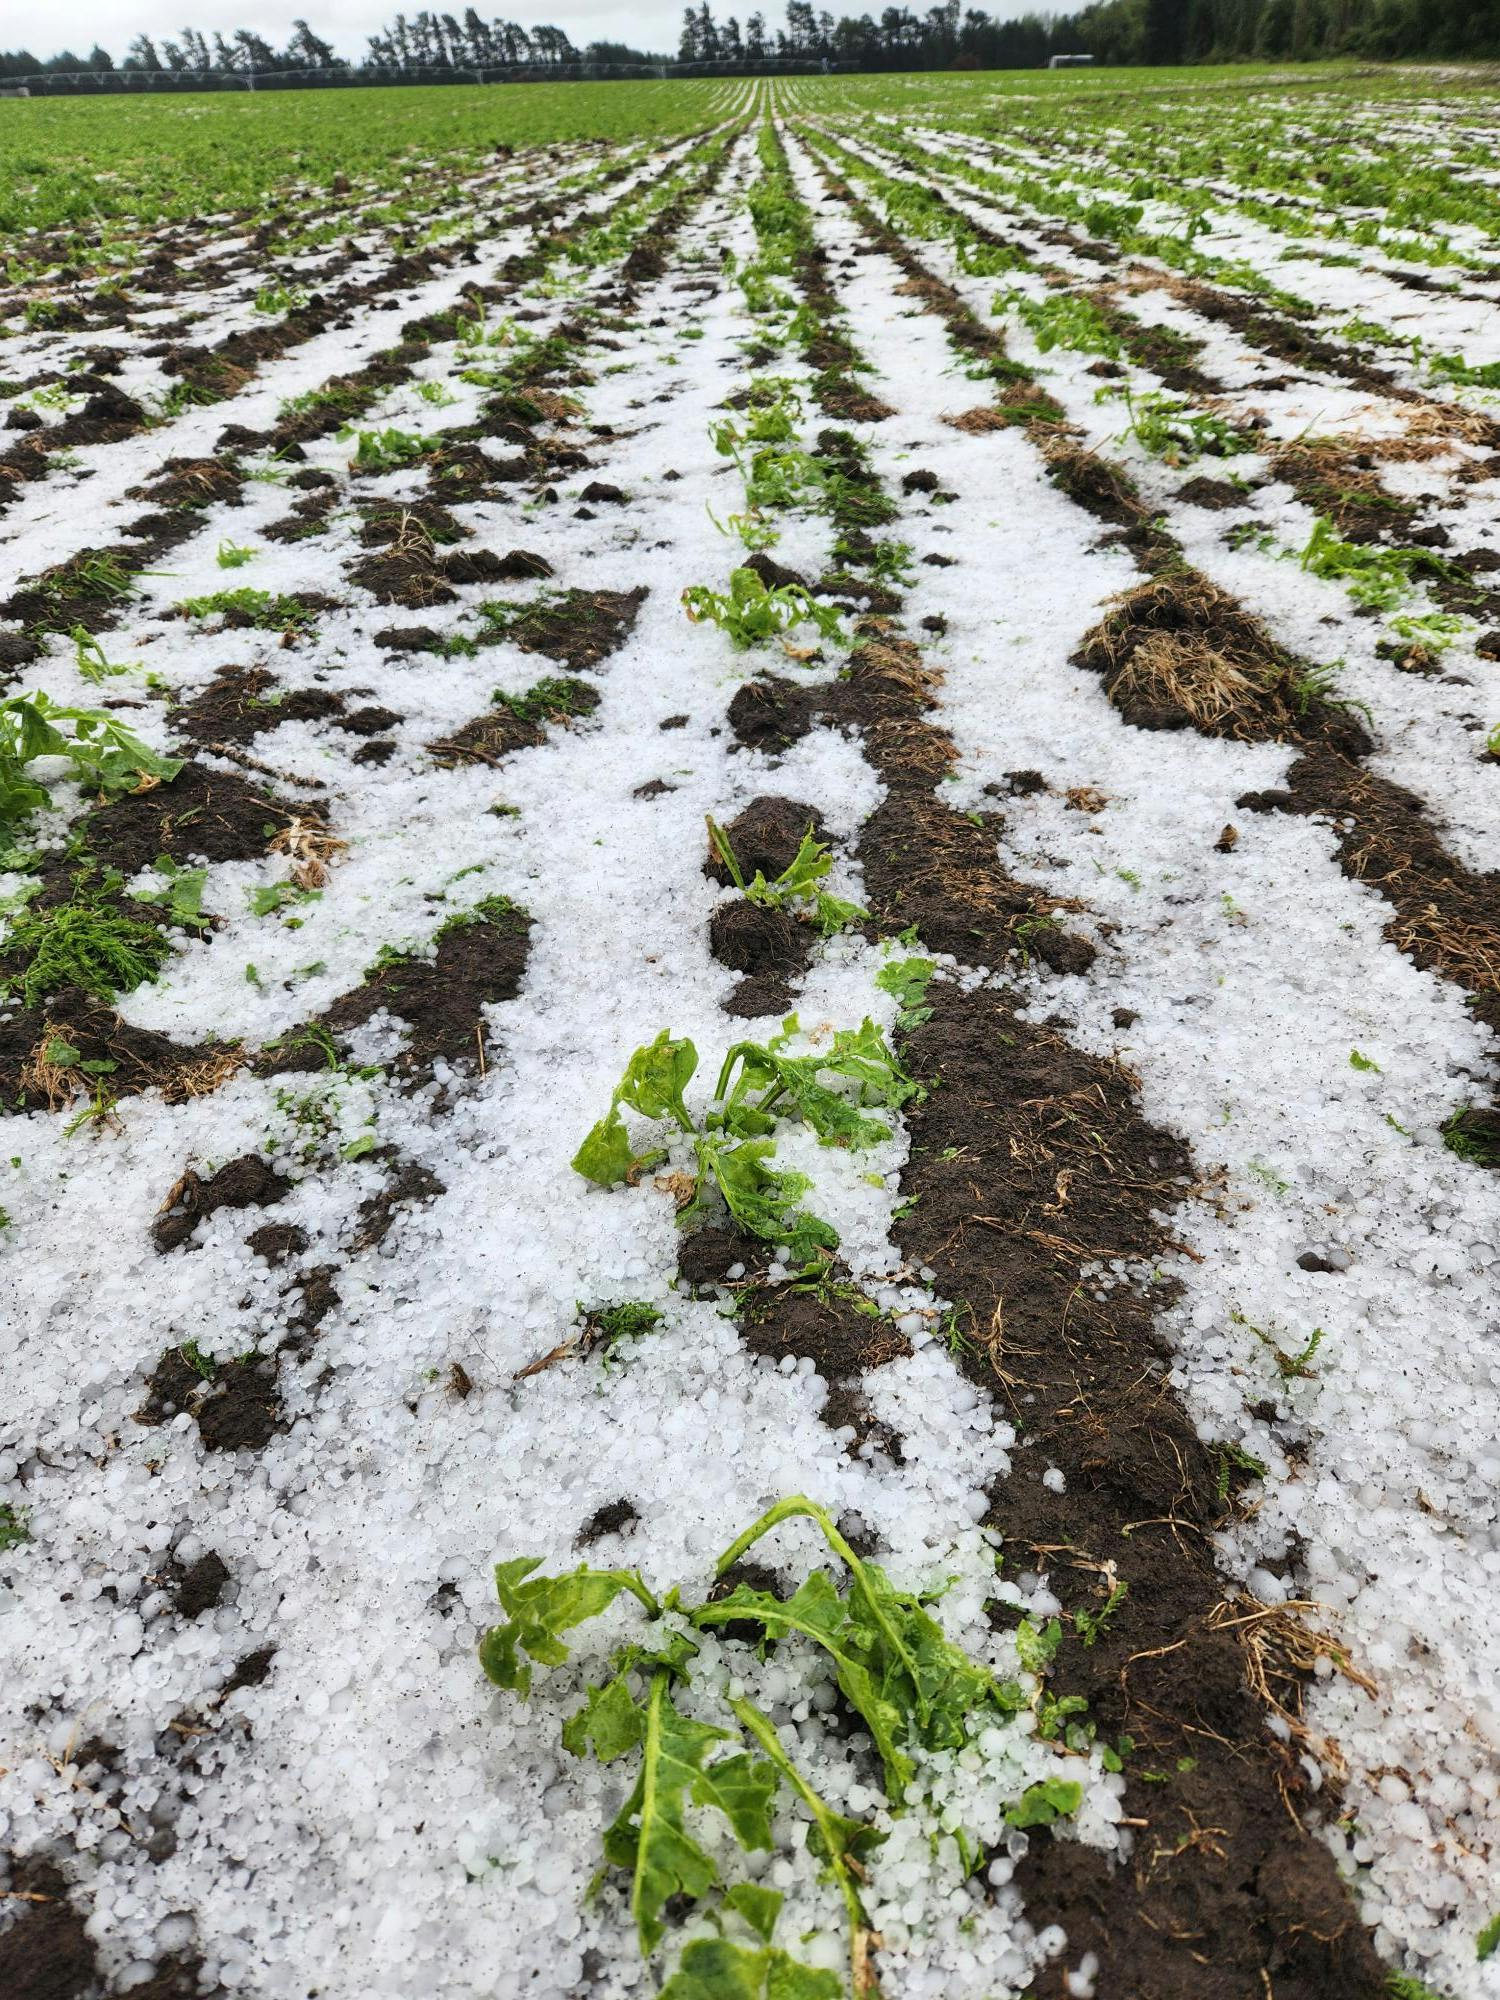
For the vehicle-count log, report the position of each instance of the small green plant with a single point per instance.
(1377, 577)
(1290, 1367)
(751, 613)
(1473, 1135)
(275, 300)
(181, 893)
(912, 1688)
(1488, 1941)
(89, 656)
(99, 751)
(548, 700)
(757, 1086)
(265, 610)
(87, 942)
(387, 451)
(1172, 430)
(233, 555)
(1092, 1625)
(1062, 319)
(799, 883)
(15, 1527)
(1232, 1459)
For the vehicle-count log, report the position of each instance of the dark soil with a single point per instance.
(1031, 1161)
(825, 1326)
(199, 1586)
(492, 737)
(1446, 917)
(578, 628)
(143, 1059)
(47, 1955)
(202, 815)
(1216, 494)
(239, 1409)
(244, 1183)
(441, 999)
(765, 838)
(240, 702)
(411, 1184)
(771, 948)
(614, 1518)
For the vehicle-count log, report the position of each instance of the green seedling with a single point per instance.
(911, 1687)
(798, 884)
(233, 555)
(264, 610)
(99, 751)
(751, 613)
(758, 1085)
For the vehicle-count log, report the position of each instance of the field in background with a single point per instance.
(725, 791)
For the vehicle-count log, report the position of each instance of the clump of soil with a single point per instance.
(928, 866)
(142, 1058)
(1101, 489)
(765, 837)
(1179, 653)
(493, 736)
(827, 1327)
(47, 1954)
(771, 948)
(201, 814)
(578, 628)
(240, 702)
(441, 999)
(236, 1408)
(247, 1182)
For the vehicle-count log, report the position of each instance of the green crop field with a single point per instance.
(749, 964)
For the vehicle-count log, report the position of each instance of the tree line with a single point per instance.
(434, 47)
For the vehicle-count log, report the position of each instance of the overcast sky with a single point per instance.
(43, 27)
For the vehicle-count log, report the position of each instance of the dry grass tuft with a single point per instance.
(1179, 652)
(1282, 1651)
(975, 422)
(310, 847)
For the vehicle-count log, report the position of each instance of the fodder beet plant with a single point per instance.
(912, 1688)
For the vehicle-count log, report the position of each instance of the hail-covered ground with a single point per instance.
(1180, 516)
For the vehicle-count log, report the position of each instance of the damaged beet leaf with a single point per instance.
(797, 887)
(758, 1085)
(912, 1687)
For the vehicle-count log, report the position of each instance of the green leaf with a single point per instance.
(611, 1720)
(841, 1843)
(649, 1836)
(1488, 1939)
(742, 1787)
(909, 1682)
(759, 1906)
(817, 1612)
(606, 1155)
(906, 980)
(715, 1969)
(1049, 1799)
(762, 1198)
(656, 1077)
(1038, 1647)
(539, 1608)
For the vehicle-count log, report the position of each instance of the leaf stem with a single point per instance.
(796, 1504)
(764, 1731)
